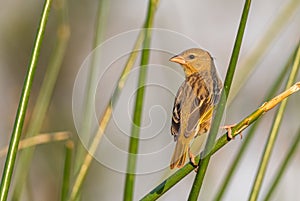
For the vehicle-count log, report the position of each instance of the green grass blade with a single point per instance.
(135, 129)
(69, 147)
(101, 20)
(43, 100)
(251, 132)
(283, 166)
(273, 134)
(203, 164)
(20, 116)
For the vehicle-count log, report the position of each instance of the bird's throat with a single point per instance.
(189, 70)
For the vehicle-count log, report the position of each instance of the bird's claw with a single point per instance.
(192, 161)
(229, 131)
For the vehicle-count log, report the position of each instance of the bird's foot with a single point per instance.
(229, 131)
(192, 161)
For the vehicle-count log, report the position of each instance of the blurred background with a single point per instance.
(210, 24)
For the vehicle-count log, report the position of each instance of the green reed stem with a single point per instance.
(222, 141)
(250, 134)
(20, 116)
(105, 119)
(261, 47)
(273, 134)
(135, 129)
(283, 166)
(203, 163)
(101, 20)
(69, 147)
(43, 100)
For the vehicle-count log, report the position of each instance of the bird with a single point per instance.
(194, 103)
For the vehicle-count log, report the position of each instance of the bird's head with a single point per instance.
(193, 60)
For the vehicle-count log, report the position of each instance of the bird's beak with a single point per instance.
(178, 59)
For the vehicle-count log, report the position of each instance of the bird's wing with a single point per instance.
(176, 112)
(199, 106)
(193, 105)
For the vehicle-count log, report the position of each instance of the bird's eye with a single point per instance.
(191, 56)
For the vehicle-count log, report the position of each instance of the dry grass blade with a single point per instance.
(39, 139)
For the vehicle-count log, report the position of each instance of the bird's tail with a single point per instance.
(179, 155)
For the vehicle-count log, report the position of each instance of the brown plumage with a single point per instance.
(194, 102)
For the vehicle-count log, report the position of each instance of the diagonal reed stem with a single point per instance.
(250, 134)
(273, 133)
(20, 116)
(221, 142)
(203, 163)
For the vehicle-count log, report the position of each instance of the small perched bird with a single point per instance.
(194, 102)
